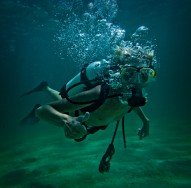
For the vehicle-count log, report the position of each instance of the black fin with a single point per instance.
(38, 88)
(31, 119)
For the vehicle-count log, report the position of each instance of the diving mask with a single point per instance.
(138, 75)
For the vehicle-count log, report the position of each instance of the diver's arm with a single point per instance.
(141, 114)
(144, 131)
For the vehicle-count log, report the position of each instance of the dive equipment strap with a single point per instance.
(104, 165)
(137, 98)
(123, 131)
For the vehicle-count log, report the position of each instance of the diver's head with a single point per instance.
(136, 64)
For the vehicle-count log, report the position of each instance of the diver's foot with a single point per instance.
(42, 86)
(31, 118)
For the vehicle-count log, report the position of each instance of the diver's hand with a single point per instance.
(73, 127)
(144, 131)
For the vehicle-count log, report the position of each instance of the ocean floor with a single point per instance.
(37, 160)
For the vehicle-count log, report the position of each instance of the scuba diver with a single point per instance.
(103, 92)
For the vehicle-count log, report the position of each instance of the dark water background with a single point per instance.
(28, 56)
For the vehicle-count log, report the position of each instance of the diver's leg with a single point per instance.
(44, 112)
(44, 87)
(54, 94)
(50, 115)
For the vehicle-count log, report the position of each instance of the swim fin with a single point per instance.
(31, 119)
(38, 88)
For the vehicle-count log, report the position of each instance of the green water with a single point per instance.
(40, 156)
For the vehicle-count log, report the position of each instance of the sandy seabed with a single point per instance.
(52, 161)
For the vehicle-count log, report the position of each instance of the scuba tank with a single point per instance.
(90, 76)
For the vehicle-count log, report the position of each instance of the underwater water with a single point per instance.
(50, 40)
